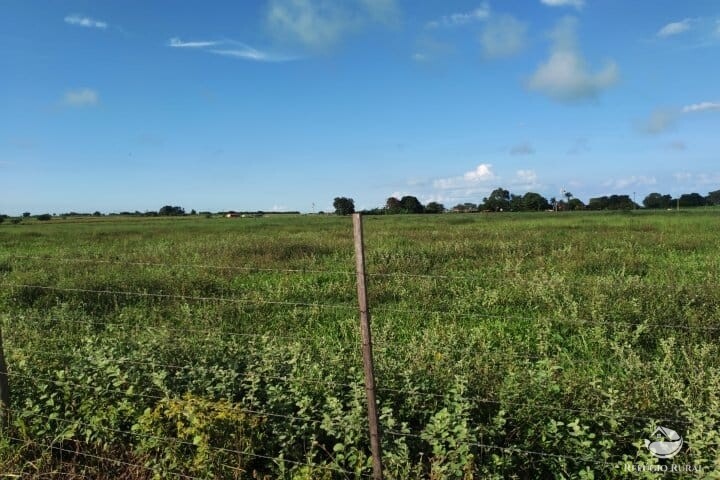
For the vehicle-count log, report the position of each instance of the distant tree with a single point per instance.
(465, 207)
(97, 214)
(434, 207)
(44, 217)
(516, 203)
(16, 220)
(193, 212)
(575, 204)
(344, 206)
(393, 205)
(568, 196)
(657, 200)
(534, 201)
(692, 200)
(2, 218)
(374, 211)
(599, 203)
(620, 202)
(713, 198)
(26, 214)
(499, 199)
(411, 204)
(168, 210)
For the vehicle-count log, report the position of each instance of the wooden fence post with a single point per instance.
(4, 390)
(367, 347)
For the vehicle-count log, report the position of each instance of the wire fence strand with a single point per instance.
(178, 441)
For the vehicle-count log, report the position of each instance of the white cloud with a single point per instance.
(662, 120)
(177, 43)
(702, 107)
(481, 173)
(462, 18)
(319, 24)
(86, 22)
(697, 180)
(468, 181)
(84, 97)
(525, 177)
(248, 53)
(564, 3)
(675, 28)
(381, 10)
(524, 148)
(503, 36)
(231, 48)
(565, 76)
(632, 181)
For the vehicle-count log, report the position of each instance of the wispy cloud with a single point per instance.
(659, 121)
(702, 107)
(429, 50)
(83, 21)
(698, 180)
(230, 48)
(675, 28)
(564, 3)
(320, 24)
(631, 181)
(177, 43)
(503, 36)
(565, 76)
(662, 120)
(461, 18)
(84, 97)
(525, 179)
(522, 149)
(248, 53)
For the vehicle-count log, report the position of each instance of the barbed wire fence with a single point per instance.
(67, 455)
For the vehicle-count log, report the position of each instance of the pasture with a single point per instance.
(506, 345)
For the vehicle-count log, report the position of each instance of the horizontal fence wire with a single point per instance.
(515, 450)
(251, 269)
(190, 444)
(184, 331)
(97, 388)
(406, 392)
(182, 297)
(52, 446)
(244, 268)
(375, 311)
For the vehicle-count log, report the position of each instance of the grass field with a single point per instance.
(507, 345)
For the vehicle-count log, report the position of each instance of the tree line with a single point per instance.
(501, 200)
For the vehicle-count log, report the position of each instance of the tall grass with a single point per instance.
(526, 345)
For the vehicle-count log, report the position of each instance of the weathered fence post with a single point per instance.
(367, 347)
(4, 390)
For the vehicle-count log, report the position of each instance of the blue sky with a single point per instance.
(285, 104)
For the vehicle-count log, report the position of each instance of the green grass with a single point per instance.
(570, 335)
